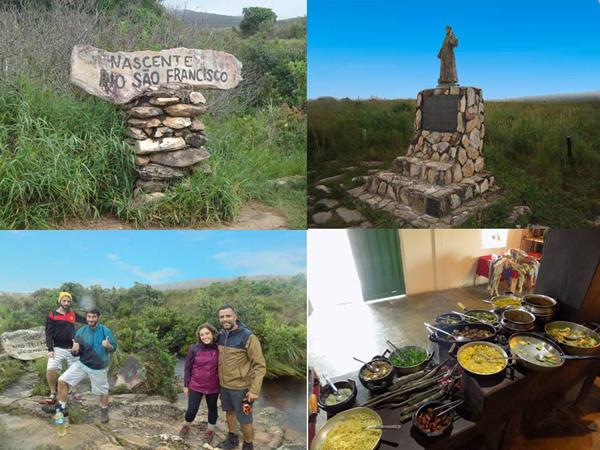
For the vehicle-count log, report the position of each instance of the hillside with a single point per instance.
(201, 282)
(206, 19)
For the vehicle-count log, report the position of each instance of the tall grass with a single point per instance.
(62, 154)
(524, 148)
(60, 157)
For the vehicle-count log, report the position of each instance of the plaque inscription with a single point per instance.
(439, 113)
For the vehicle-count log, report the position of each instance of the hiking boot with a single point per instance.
(51, 400)
(104, 415)
(248, 446)
(208, 436)
(185, 430)
(231, 442)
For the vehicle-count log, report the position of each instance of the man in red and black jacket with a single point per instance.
(60, 331)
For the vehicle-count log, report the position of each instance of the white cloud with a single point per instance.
(265, 262)
(157, 276)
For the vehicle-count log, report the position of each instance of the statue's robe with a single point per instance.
(448, 62)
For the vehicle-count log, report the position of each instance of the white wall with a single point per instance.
(443, 259)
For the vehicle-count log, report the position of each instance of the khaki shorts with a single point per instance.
(61, 356)
(78, 371)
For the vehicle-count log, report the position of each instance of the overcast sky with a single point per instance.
(284, 9)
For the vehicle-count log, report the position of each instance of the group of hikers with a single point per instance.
(228, 363)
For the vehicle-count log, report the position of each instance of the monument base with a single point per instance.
(441, 180)
(420, 204)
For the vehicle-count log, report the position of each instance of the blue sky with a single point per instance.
(509, 48)
(35, 259)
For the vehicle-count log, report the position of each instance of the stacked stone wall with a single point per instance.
(167, 137)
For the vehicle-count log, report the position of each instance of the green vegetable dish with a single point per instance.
(408, 357)
(332, 399)
(488, 317)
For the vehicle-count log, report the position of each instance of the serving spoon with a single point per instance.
(456, 338)
(338, 396)
(466, 316)
(369, 366)
(382, 427)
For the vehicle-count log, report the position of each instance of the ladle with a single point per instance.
(338, 396)
(456, 338)
(369, 366)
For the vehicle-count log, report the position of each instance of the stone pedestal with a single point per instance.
(167, 137)
(443, 168)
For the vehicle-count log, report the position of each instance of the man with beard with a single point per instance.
(93, 344)
(242, 368)
(60, 331)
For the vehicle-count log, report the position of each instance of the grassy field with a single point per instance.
(62, 152)
(525, 148)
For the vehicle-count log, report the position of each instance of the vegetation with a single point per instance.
(158, 326)
(525, 148)
(257, 19)
(62, 155)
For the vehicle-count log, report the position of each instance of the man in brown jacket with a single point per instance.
(242, 368)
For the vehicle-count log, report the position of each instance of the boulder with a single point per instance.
(197, 126)
(135, 133)
(195, 139)
(164, 101)
(181, 158)
(182, 110)
(151, 186)
(177, 123)
(133, 373)
(144, 112)
(148, 146)
(322, 217)
(349, 215)
(197, 98)
(144, 123)
(156, 172)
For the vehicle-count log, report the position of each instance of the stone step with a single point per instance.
(427, 198)
(433, 172)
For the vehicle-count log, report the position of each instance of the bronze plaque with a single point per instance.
(439, 113)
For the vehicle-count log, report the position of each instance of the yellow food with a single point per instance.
(350, 434)
(578, 339)
(507, 302)
(481, 359)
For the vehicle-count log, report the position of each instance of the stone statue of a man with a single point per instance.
(448, 76)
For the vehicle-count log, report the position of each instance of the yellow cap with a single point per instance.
(64, 294)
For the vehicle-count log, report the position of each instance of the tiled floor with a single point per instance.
(339, 332)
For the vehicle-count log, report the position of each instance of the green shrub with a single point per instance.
(10, 371)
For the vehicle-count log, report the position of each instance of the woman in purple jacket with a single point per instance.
(202, 378)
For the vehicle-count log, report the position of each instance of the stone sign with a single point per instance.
(25, 344)
(439, 113)
(120, 77)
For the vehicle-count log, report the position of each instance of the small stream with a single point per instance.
(286, 394)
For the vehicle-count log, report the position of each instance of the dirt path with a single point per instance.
(252, 216)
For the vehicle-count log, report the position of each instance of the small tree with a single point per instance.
(257, 19)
